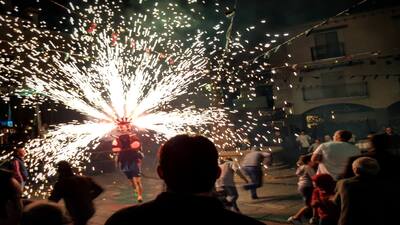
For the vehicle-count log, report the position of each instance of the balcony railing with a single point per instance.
(327, 51)
(335, 91)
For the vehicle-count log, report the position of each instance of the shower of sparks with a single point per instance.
(112, 66)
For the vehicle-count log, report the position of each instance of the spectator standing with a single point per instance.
(78, 193)
(189, 167)
(322, 200)
(43, 213)
(10, 199)
(358, 197)
(304, 142)
(332, 157)
(314, 146)
(19, 166)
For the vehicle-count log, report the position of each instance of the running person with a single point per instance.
(128, 148)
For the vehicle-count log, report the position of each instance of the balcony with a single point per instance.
(351, 90)
(327, 51)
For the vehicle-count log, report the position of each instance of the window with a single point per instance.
(327, 45)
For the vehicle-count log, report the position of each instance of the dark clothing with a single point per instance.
(306, 192)
(360, 200)
(130, 162)
(173, 208)
(255, 174)
(78, 193)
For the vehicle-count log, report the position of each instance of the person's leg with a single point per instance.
(139, 188)
(232, 196)
(252, 173)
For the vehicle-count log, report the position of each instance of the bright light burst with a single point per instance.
(111, 66)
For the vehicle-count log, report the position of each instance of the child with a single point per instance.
(321, 201)
(304, 171)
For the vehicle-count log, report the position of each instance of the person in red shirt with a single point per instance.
(127, 146)
(322, 200)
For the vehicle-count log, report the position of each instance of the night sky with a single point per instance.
(279, 13)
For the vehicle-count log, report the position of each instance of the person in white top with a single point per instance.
(304, 141)
(226, 184)
(332, 157)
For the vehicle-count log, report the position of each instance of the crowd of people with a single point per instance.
(339, 185)
(342, 185)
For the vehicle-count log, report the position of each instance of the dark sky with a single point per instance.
(278, 13)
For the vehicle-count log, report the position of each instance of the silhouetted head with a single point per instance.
(304, 159)
(44, 213)
(325, 182)
(342, 135)
(20, 151)
(64, 169)
(189, 164)
(389, 131)
(365, 166)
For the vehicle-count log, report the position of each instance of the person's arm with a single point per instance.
(96, 189)
(56, 193)
(16, 206)
(317, 154)
(115, 147)
(268, 156)
(17, 171)
(236, 168)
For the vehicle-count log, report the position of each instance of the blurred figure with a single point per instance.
(304, 141)
(226, 183)
(332, 157)
(389, 131)
(325, 210)
(327, 138)
(314, 146)
(360, 198)
(128, 147)
(10, 199)
(19, 167)
(252, 166)
(189, 167)
(305, 172)
(78, 193)
(43, 213)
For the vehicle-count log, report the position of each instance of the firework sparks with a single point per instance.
(134, 68)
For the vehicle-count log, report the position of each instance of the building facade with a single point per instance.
(342, 75)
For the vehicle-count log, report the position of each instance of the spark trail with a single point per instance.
(112, 67)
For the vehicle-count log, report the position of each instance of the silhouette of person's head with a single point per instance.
(64, 169)
(20, 151)
(189, 164)
(342, 135)
(44, 213)
(365, 166)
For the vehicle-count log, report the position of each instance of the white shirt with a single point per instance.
(255, 158)
(228, 170)
(304, 140)
(334, 157)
